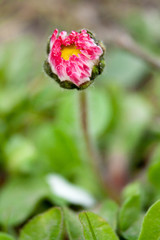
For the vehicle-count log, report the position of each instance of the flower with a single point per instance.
(74, 60)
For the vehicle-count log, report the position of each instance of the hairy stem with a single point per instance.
(84, 122)
(94, 155)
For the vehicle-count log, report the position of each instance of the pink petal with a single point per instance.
(53, 37)
(78, 68)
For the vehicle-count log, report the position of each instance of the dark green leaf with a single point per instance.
(73, 225)
(129, 212)
(18, 199)
(124, 68)
(109, 211)
(154, 168)
(95, 227)
(47, 226)
(20, 154)
(4, 236)
(151, 224)
(133, 231)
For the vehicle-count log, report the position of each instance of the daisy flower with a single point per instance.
(74, 60)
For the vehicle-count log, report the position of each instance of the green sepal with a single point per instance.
(64, 84)
(48, 45)
(101, 65)
(67, 84)
(98, 69)
(95, 72)
(85, 85)
(92, 35)
(49, 72)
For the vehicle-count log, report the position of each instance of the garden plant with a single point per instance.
(80, 132)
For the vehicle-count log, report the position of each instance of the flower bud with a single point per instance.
(74, 60)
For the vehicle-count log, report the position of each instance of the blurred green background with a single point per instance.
(40, 129)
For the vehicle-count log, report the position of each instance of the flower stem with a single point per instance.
(84, 122)
(96, 161)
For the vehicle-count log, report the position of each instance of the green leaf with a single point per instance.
(131, 190)
(124, 69)
(4, 236)
(135, 121)
(10, 98)
(151, 224)
(95, 227)
(154, 168)
(56, 141)
(67, 112)
(46, 226)
(109, 211)
(18, 199)
(153, 174)
(130, 217)
(20, 70)
(103, 108)
(133, 231)
(129, 212)
(20, 154)
(73, 225)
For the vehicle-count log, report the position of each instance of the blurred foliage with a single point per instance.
(40, 134)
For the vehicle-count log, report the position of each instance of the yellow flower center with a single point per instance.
(67, 51)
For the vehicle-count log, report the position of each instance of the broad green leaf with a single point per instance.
(129, 222)
(151, 224)
(143, 28)
(67, 112)
(109, 211)
(153, 174)
(57, 146)
(135, 120)
(99, 100)
(20, 70)
(20, 154)
(19, 197)
(95, 227)
(129, 212)
(133, 231)
(131, 190)
(4, 236)
(46, 226)
(10, 98)
(154, 168)
(146, 192)
(124, 69)
(72, 224)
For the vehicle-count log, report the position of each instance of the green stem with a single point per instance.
(95, 161)
(94, 155)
